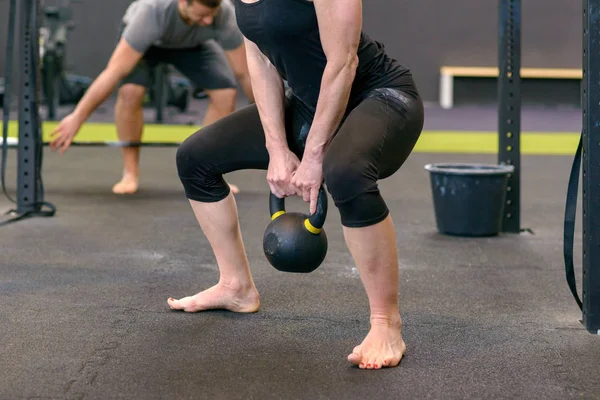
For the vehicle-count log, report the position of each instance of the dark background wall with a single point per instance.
(423, 34)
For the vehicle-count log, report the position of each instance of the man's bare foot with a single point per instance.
(219, 297)
(127, 185)
(234, 188)
(383, 346)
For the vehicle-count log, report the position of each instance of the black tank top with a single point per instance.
(286, 31)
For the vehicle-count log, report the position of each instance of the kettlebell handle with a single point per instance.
(313, 223)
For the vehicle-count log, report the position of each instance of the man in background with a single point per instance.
(200, 38)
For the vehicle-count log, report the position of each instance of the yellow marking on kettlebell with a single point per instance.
(311, 228)
(277, 214)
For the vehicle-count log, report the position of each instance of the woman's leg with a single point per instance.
(232, 143)
(373, 143)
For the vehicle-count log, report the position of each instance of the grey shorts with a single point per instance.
(205, 66)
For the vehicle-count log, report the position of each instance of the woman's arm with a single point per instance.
(268, 90)
(340, 23)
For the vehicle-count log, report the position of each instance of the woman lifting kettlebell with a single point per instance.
(351, 116)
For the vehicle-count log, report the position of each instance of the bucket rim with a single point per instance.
(456, 168)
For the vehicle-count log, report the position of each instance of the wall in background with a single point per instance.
(422, 34)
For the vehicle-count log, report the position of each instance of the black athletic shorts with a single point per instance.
(206, 66)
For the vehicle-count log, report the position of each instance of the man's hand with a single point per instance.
(65, 132)
(122, 61)
(308, 179)
(282, 165)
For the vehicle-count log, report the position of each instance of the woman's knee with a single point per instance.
(355, 193)
(186, 156)
(197, 160)
(343, 179)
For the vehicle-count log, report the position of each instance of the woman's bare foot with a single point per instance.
(234, 188)
(219, 297)
(127, 185)
(383, 346)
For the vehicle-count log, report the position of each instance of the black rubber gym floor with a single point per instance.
(84, 311)
(84, 315)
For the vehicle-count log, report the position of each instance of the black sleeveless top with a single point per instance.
(286, 31)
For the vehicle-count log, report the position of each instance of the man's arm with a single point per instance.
(341, 23)
(268, 90)
(239, 64)
(122, 62)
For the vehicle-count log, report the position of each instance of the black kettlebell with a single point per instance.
(296, 242)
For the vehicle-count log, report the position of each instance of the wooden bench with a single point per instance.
(447, 75)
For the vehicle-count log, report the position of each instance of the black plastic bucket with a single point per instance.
(469, 198)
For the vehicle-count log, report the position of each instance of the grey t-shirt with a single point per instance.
(158, 23)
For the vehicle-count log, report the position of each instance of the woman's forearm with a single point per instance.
(268, 90)
(333, 100)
